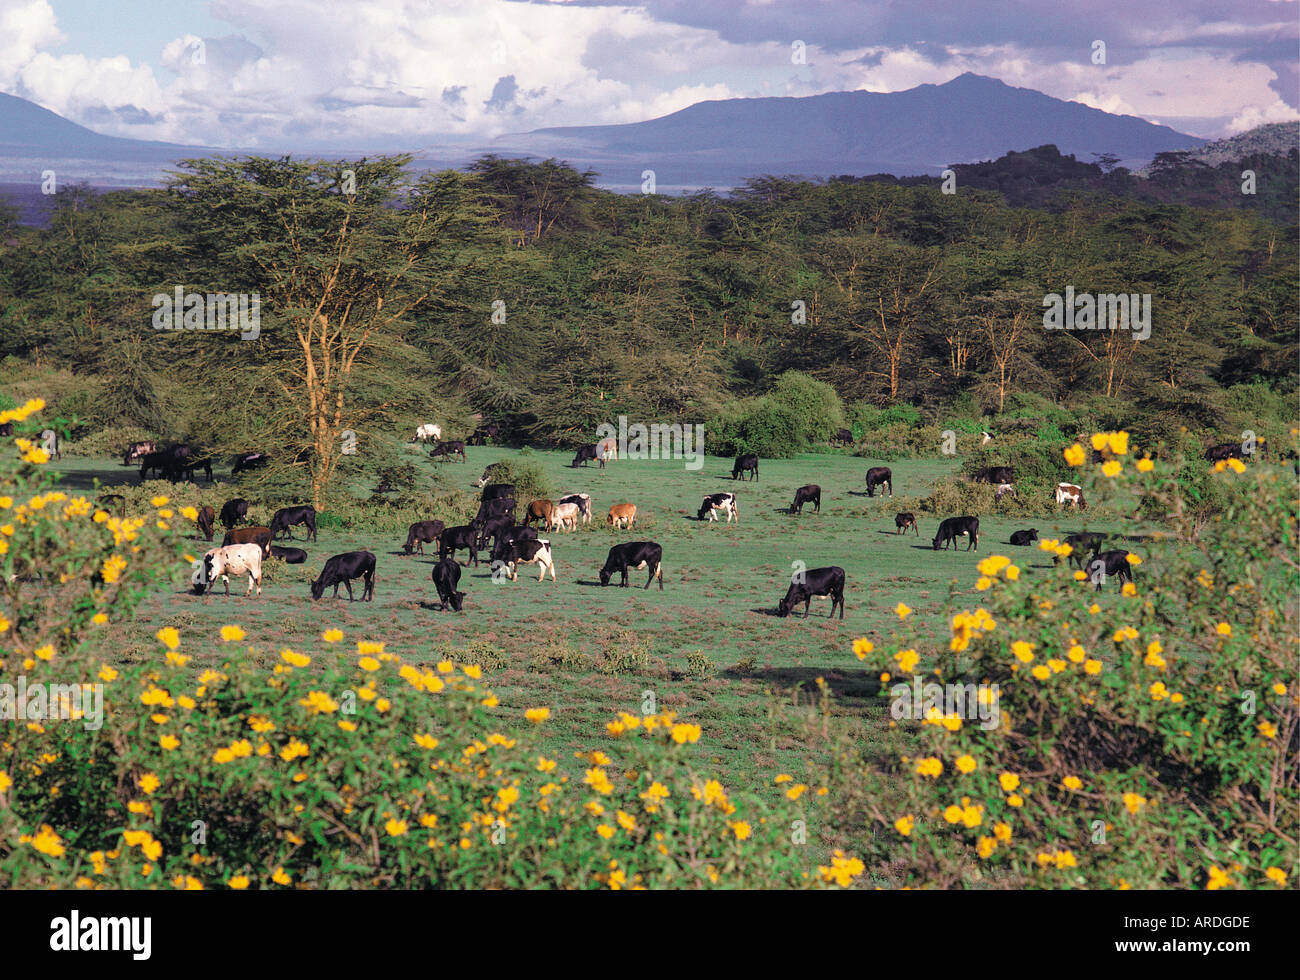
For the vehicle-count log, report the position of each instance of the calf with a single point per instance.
(1085, 542)
(810, 494)
(287, 517)
(827, 581)
(745, 464)
(290, 556)
(454, 539)
(1023, 538)
(193, 463)
(423, 433)
(588, 454)
(622, 515)
(540, 511)
(1109, 563)
(453, 447)
(953, 528)
(248, 461)
(1004, 489)
(715, 502)
(905, 520)
(634, 555)
(228, 560)
(565, 516)
(233, 511)
(205, 520)
(138, 450)
(1068, 493)
(249, 535)
(446, 576)
(527, 552)
(879, 476)
(993, 474)
(583, 500)
(342, 569)
(421, 533)
(608, 448)
(484, 433)
(493, 491)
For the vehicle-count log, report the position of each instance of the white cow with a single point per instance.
(987, 438)
(1068, 493)
(428, 431)
(233, 559)
(565, 516)
(1003, 489)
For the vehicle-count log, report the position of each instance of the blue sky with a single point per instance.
(402, 74)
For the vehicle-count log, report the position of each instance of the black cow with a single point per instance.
(161, 463)
(450, 447)
(422, 533)
(810, 494)
(233, 511)
(461, 537)
(634, 554)
(1109, 563)
(249, 461)
(287, 517)
(953, 528)
(205, 520)
(290, 556)
(1229, 450)
(879, 476)
(905, 520)
(827, 581)
(495, 490)
(844, 436)
(1085, 542)
(745, 464)
(446, 576)
(137, 450)
(1023, 538)
(496, 529)
(342, 569)
(490, 510)
(993, 474)
(587, 454)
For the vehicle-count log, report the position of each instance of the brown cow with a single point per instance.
(207, 516)
(540, 510)
(623, 515)
(249, 535)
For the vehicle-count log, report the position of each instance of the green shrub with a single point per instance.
(815, 405)
(755, 425)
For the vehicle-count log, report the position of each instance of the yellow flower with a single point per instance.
(537, 714)
(474, 671)
(1002, 831)
(319, 702)
(1134, 802)
(1218, 878)
(1276, 874)
(1129, 589)
(1236, 465)
(1013, 573)
(238, 882)
(1092, 666)
(395, 827)
(368, 664)
(1008, 781)
(1015, 800)
(907, 659)
(741, 829)
(169, 742)
(985, 846)
(280, 878)
(1224, 629)
(966, 763)
(904, 825)
(159, 501)
(231, 634)
(796, 791)
(44, 653)
(952, 813)
(1075, 455)
(149, 782)
(1072, 783)
(931, 767)
(983, 582)
(861, 647)
(1145, 465)
(169, 637)
(1024, 652)
(903, 610)
(605, 831)
(683, 733)
(1041, 672)
(1132, 559)
(48, 842)
(993, 564)
(1111, 468)
(1099, 441)
(1267, 729)
(332, 636)
(1118, 442)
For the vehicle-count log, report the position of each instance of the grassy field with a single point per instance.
(710, 646)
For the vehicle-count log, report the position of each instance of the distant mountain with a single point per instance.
(918, 131)
(1277, 139)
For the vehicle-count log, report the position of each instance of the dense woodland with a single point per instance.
(377, 305)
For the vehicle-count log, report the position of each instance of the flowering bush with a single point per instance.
(1144, 738)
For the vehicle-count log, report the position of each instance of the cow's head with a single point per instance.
(783, 607)
(200, 574)
(704, 509)
(935, 543)
(457, 600)
(604, 576)
(318, 588)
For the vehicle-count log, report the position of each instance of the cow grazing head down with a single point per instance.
(201, 574)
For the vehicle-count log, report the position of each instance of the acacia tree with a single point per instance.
(1002, 322)
(341, 253)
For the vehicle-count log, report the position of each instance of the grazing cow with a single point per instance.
(905, 520)
(1084, 542)
(228, 560)
(1023, 538)
(162, 463)
(429, 431)
(993, 474)
(622, 515)
(446, 576)
(138, 450)
(290, 556)
(488, 472)
(50, 443)
(422, 533)
(1068, 493)
(1228, 450)
(743, 465)
(287, 517)
(608, 448)
(541, 511)
(879, 476)
(505, 537)
(634, 555)
(452, 447)
(342, 569)
(1004, 489)
(192, 463)
(233, 511)
(249, 535)
(462, 537)
(565, 516)
(953, 528)
(1109, 563)
(495, 490)
(205, 520)
(536, 552)
(483, 433)
(248, 461)
(844, 436)
(715, 502)
(583, 500)
(489, 510)
(810, 494)
(827, 581)
(588, 454)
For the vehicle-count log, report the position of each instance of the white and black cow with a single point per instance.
(716, 503)
(235, 559)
